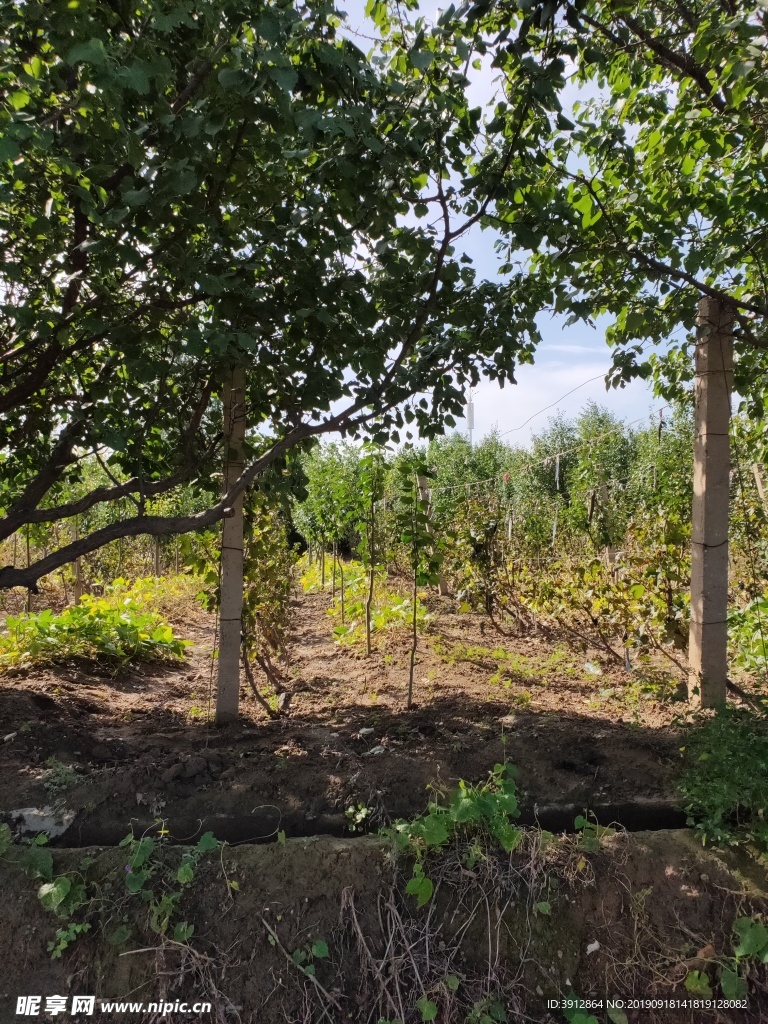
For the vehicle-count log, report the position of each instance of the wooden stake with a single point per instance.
(708, 636)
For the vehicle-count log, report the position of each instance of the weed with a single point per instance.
(65, 937)
(62, 895)
(59, 776)
(357, 817)
(750, 949)
(304, 958)
(172, 596)
(485, 808)
(147, 876)
(725, 782)
(591, 832)
(746, 636)
(487, 1011)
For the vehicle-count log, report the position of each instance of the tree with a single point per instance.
(189, 187)
(654, 195)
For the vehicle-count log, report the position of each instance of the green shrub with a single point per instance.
(748, 636)
(725, 783)
(116, 628)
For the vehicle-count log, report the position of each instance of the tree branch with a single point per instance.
(24, 510)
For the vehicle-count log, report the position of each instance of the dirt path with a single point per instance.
(137, 745)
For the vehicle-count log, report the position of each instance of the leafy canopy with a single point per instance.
(188, 186)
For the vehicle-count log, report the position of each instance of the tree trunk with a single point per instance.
(368, 603)
(231, 606)
(423, 482)
(414, 638)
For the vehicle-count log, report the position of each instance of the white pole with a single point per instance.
(231, 610)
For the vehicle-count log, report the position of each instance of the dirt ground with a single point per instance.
(628, 921)
(108, 748)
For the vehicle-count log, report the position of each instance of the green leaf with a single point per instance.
(52, 894)
(434, 830)
(231, 78)
(183, 932)
(268, 27)
(544, 907)
(8, 148)
(142, 852)
(135, 77)
(320, 949)
(19, 99)
(421, 59)
(137, 197)
(286, 78)
(134, 881)
(207, 842)
(91, 52)
(120, 935)
(616, 1015)
(732, 985)
(38, 863)
(421, 887)
(427, 1008)
(753, 937)
(185, 874)
(698, 982)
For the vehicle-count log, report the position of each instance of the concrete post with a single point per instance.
(231, 607)
(711, 485)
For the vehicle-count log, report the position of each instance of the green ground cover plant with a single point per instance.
(725, 781)
(117, 628)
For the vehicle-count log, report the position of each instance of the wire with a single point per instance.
(557, 400)
(552, 405)
(558, 455)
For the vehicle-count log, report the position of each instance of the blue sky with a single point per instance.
(568, 358)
